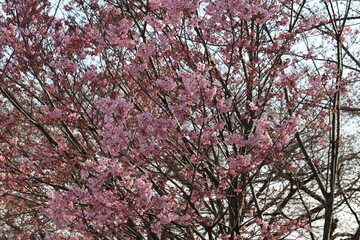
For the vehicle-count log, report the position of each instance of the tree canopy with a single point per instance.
(179, 119)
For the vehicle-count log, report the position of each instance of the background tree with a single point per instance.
(181, 119)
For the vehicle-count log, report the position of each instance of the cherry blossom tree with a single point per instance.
(179, 119)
